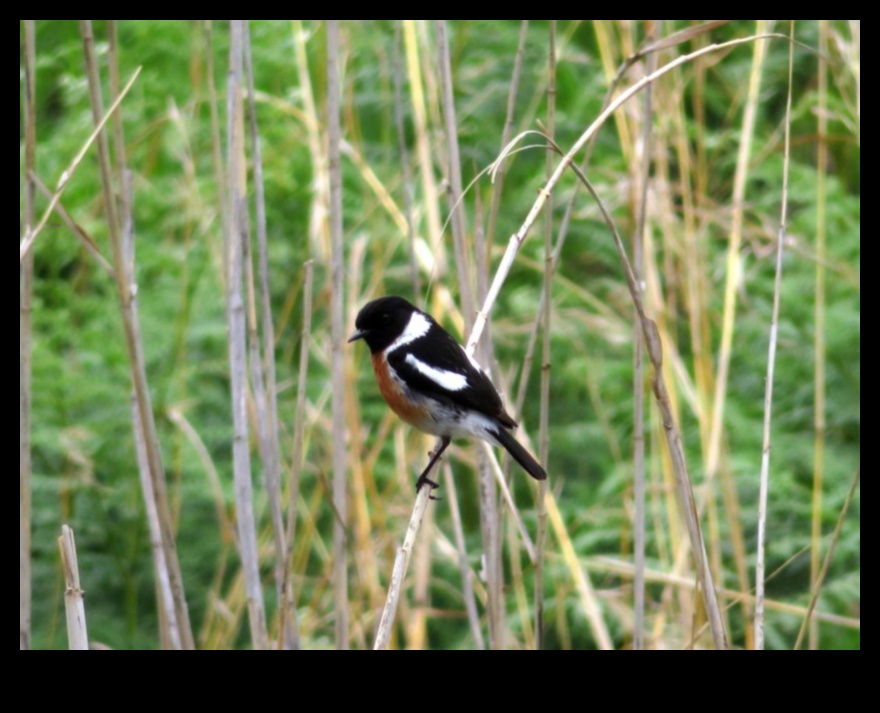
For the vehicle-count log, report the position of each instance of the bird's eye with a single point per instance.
(386, 317)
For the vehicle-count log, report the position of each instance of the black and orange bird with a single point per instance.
(432, 383)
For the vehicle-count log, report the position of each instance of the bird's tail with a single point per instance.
(520, 454)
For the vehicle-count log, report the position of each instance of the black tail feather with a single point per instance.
(520, 454)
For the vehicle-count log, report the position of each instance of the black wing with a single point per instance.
(438, 350)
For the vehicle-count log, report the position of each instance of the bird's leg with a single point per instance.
(423, 478)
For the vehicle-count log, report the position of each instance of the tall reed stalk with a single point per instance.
(547, 295)
(760, 577)
(337, 319)
(639, 474)
(25, 338)
(237, 319)
(127, 291)
(819, 413)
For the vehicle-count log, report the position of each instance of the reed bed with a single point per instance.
(593, 207)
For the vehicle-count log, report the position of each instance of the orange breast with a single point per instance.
(393, 392)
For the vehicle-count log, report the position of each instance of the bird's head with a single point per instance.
(382, 322)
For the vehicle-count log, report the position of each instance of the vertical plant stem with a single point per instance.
(169, 631)
(513, 94)
(337, 286)
(829, 557)
(459, 227)
(467, 587)
(820, 357)
(734, 259)
(118, 134)
(639, 475)
(290, 601)
(238, 230)
(127, 291)
(216, 139)
(430, 199)
(544, 435)
(271, 450)
(760, 576)
(856, 26)
(674, 441)
(401, 565)
(25, 337)
(406, 169)
(74, 603)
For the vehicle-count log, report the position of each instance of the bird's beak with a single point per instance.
(356, 336)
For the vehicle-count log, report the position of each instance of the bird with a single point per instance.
(432, 383)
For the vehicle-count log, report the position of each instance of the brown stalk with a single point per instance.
(127, 291)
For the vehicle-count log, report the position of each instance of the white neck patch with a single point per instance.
(418, 327)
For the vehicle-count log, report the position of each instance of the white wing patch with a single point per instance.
(418, 327)
(448, 380)
(472, 360)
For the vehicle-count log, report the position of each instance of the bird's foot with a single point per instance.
(423, 481)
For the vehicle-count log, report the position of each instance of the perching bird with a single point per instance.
(429, 380)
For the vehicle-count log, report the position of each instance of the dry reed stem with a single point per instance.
(734, 259)
(216, 140)
(819, 343)
(430, 195)
(398, 574)
(512, 96)
(655, 349)
(80, 234)
(265, 368)
(455, 192)
(118, 135)
(673, 434)
(74, 601)
(406, 169)
(581, 579)
(639, 475)
(319, 234)
(127, 292)
(289, 604)
(467, 587)
(337, 282)
(809, 619)
(25, 340)
(238, 230)
(626, 569)
(547, 292)
(760, 575)
(169, 631)
(856, 26)
(30, 236)
(518, 238)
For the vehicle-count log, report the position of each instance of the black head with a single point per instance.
(382, 321)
